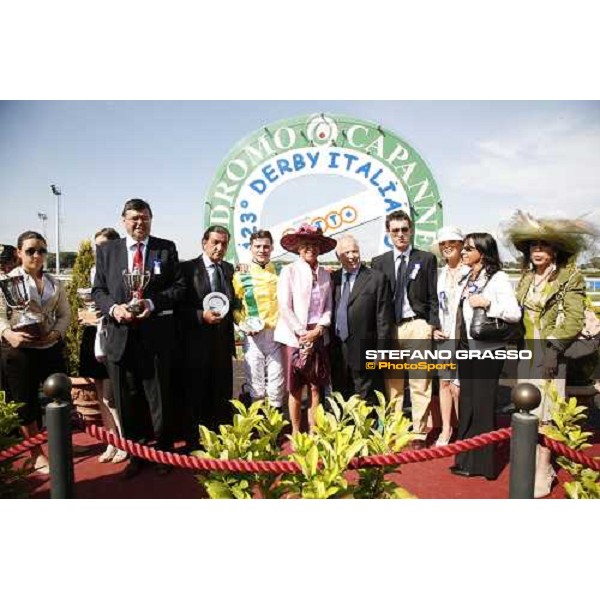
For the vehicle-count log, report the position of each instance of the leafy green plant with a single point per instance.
(81, 279)
(10, 478)
(253, 435)
(567, 417)
(350, 429)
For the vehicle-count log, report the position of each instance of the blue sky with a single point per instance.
(487, 158)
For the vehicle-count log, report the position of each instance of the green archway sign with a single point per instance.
(391, 171)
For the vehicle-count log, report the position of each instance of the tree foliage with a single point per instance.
(81, 279)
(10, 478)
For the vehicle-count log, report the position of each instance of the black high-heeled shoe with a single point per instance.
(456, 470)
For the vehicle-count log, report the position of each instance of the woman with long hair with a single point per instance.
(92, 359)
(29, 358)
(304, 294)
(488, 287)
(551, 292)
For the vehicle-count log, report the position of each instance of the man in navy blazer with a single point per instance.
(412, 275)
(363, 319)
(139, 347)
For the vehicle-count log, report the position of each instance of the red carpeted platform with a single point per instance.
(430, 479)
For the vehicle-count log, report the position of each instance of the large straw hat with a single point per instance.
(307, 233)
(571, 236)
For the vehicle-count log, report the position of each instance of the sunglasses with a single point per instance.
(40, 251)
(469, 248)
(400, 229)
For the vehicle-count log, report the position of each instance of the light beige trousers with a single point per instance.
(413, 335)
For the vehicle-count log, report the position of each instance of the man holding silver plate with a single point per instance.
(206, 333)
(256, 313)
(137, 284)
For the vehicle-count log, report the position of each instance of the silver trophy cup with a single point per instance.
(16, 294)
(136, 282)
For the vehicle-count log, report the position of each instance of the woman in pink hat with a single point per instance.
(304, 293)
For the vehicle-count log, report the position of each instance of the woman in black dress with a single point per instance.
(486, 286)
(91, 362)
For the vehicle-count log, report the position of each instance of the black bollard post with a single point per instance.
(526, 397)
(60, 446)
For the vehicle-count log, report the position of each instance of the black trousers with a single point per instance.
(24, 370)
(350, 381)
(142, 384)
(476, 412)
(208, 387)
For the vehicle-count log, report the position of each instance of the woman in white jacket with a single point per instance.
(449, 244)
(488, 287)
(29, 357)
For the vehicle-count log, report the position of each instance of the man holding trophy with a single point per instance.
(137, 284)
(34, 317)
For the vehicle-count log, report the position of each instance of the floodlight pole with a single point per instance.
(43, 217)
(56, 191)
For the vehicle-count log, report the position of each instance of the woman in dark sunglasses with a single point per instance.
(487, 286)
(29, 357)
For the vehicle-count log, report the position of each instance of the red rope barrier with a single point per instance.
(573, 455)
(280, 467)
(28, 444)
(411, 456)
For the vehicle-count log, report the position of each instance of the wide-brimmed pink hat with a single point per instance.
(307, 233)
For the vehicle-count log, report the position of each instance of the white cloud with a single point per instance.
(544, 165)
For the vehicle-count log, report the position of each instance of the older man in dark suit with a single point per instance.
(363, 319)
(207, 342)
(412, 275)
(140, 346)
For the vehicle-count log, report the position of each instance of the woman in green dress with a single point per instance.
(551, 292)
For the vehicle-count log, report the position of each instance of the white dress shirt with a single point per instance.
(210, 267)
(132, 249)
(407, 310)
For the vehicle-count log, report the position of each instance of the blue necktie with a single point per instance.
(341, 315)
(400, 288)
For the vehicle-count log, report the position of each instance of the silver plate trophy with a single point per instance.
(252, 325)
(85, 295)
(136, 282)
(217, 302)
(16, 294)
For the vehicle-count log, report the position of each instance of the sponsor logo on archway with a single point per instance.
(390, 171)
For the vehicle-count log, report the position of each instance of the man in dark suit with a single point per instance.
(362, 319)
(412, 275)
(207, 342)
(139, 347)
